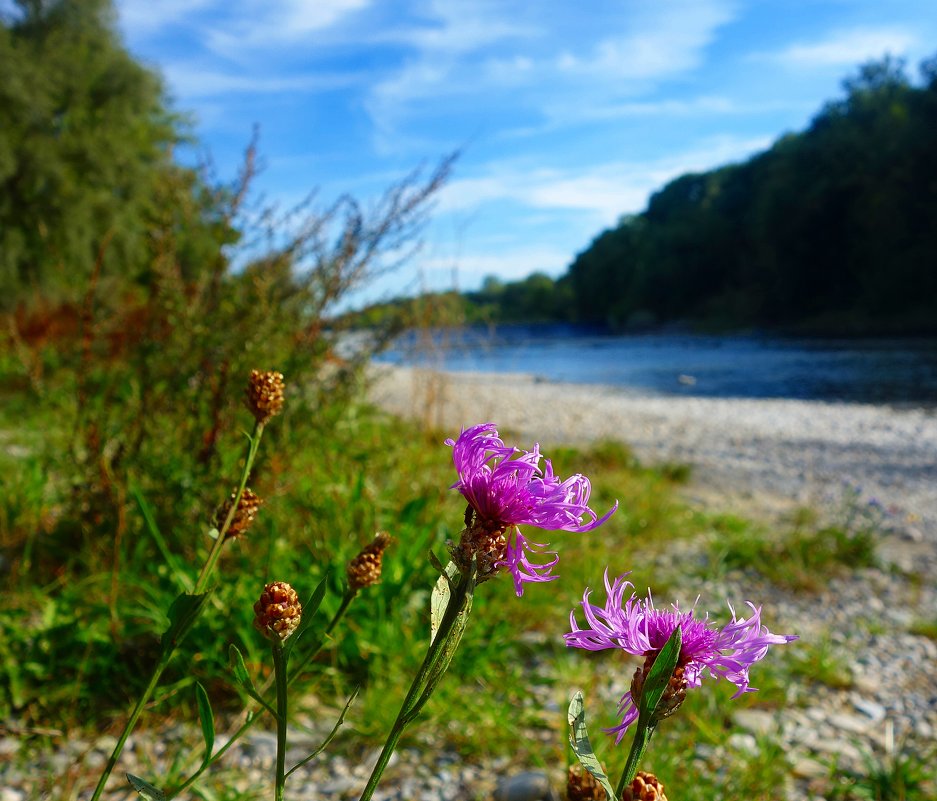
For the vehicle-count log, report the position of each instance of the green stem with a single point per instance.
(423, 681)
(248, 724)
(642, 736)
(279, 669)
(209, 566)
(200, 585)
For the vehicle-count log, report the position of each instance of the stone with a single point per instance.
(527, 786)
(870, 709)
(756, 721)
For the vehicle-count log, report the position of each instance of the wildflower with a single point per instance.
(278, 611)
(506, 487)
(248, 505)
(265, 394)
(365, 569)
(638, 628)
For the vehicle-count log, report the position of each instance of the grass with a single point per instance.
(91, 565)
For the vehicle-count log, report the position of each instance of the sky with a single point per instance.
(566, 115)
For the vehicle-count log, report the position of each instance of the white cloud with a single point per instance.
(846, 48)
(604, 191)
(140, 18)
(192, 81)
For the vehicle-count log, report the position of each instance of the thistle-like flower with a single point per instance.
(637, 627)
(506, 487)
(265, 394)
(248, 505)
(277, 613)
(365, 569)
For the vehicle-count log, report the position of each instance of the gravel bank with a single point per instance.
(772, 452)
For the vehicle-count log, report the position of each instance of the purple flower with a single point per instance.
(506, 487)
(637, 627)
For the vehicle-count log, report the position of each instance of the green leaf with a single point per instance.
(439, 600)
(207, 720)
(146, 789)
(149, 520)
(309, 611)
(243, 678)
(658, 677)
(582, 747)
(327, 740)
(182, 614)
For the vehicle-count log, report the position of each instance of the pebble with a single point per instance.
(527, 786)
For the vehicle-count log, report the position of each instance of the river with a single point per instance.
(892, 371)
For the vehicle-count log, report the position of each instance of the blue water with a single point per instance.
(894, 371)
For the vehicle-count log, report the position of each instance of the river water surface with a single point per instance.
(895, 371)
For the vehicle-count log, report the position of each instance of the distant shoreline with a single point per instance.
(778, 452)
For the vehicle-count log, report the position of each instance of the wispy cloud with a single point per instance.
(191, 82)
(603, 190)
(846, 48)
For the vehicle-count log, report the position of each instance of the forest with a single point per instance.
(830, 231)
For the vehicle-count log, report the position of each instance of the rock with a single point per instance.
(527, 786)
(851, 723)
(756, 721)
(746, 743)
(871, 709)
(806, 768)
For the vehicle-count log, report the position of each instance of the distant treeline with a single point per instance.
(832, 230)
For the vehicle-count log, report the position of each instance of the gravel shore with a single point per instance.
(771, 453)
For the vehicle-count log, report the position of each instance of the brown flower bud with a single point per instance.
(365, 569)
(582, 785)
(278, 612)
(248, 506)
(674, 694)
(645, 787)
(265, 394)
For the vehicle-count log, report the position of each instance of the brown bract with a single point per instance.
(365, 569)
(277, 613)
(645, 787)
(265, 394)
(582, 785)
(248, 506)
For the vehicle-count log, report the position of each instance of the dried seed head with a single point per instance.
(582, 786)
(248, 506)
(278, 612)
(365, 569)
(645, 787)
(265, 394)
(674, 694)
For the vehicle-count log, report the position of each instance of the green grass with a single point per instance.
(87, 583)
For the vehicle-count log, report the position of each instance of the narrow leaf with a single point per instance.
(207, 719)
(146, 789)
(309, 611)
(658, 677)
(149, 519)
(582, 747)
(439, 601)
(182, 614)
(327, 740)
(243, 678)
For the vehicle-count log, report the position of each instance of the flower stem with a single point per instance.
(279, 669)
(207, 569)
(427, 676)
(248, 724)
(642, 736)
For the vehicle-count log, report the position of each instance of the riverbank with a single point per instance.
(769, 454)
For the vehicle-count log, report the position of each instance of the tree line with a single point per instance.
(831, 230)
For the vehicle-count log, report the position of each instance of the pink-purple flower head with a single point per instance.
(505, 488)
(637, 627)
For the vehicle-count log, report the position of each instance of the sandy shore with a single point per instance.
(773, 453)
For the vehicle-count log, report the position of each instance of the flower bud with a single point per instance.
(674, 694)
(582, 785)
(365, 569)
(278, 612)
(265, 394)
(645, 787)
(248, 506)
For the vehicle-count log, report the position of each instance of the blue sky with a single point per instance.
(568, 115)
